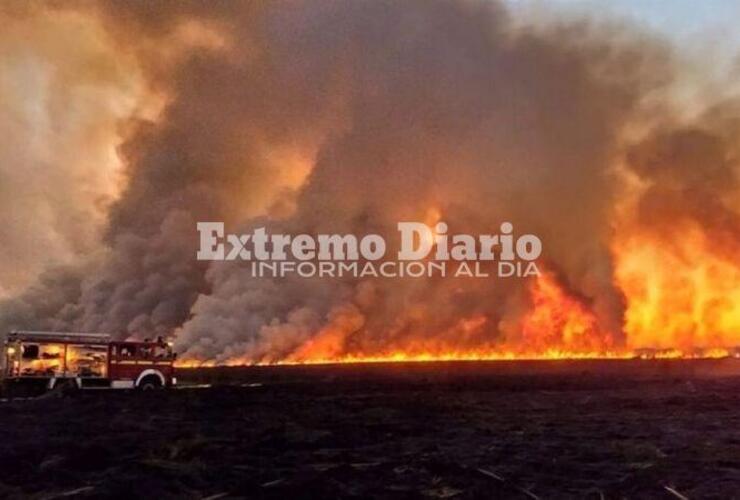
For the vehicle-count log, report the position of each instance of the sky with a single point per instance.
(703, 32)
(692, 21)
(681, 17)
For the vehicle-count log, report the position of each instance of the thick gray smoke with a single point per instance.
(337, 117)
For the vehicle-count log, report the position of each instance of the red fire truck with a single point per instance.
(86, 361)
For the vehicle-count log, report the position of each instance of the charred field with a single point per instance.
(561, 429)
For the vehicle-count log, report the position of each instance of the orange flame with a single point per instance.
(559, 320)
(679, 294)
(682, 301)
(561, 326)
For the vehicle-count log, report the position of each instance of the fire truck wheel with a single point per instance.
(150, 383)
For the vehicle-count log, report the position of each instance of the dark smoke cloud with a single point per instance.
(692, 176)
(348, 117)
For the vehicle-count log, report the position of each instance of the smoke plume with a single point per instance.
(347, 117)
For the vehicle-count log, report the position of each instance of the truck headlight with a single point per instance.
(10, 351)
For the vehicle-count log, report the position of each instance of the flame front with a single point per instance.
(675, 309)
(679, 295)
(560, 321)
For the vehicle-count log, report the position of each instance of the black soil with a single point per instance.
(473, 430)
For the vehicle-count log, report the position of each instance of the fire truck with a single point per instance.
(86, 361)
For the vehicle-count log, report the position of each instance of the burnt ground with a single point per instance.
(638, 429)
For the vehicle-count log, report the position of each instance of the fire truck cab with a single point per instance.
(87, 361)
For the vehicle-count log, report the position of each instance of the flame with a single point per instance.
(682, 300)
(559, 326)
(405, 357)
(680, 294)
(559, 319)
